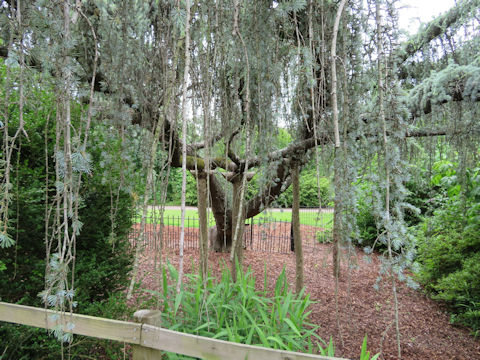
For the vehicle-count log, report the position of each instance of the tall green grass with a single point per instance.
(235, 311)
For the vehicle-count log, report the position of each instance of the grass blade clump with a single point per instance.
(236, 311)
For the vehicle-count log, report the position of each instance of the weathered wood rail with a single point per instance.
(146, 338)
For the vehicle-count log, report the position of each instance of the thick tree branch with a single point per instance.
(282, 181)
(325, 138)
(194, 162)
(233, 156)
(441, 132)
(436, 28)
(297, 147)
(202, 144)
(454, 83)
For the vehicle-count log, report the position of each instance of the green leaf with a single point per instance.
(292, 326)
(178, 301)
(203, 326)
(278, 341)
(363, 351)
(220, 334)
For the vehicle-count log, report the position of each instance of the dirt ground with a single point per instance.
(424, 325)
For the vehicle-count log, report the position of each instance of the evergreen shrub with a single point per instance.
(422, 195)
(449, 246)
(309, 192)
(102, 261)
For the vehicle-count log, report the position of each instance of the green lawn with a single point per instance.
(172, 217)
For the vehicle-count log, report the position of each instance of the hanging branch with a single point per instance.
(312, 102)
(338, 206)
(21, 126)
(184, 140)
(436, 28)
(58, 292)
(295, 168)
(237, 245)
(5, 239)
(297, 235)
(94, 75)
(9, 144)
(203, 180)
(381, 71)
(158, 132)
(76, 225)
(337, 212)
(143, 221)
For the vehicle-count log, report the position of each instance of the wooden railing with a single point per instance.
(147, 339)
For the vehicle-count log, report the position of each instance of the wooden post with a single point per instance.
(150, 317)
(297, 238)
(238, 210)
(203, 224)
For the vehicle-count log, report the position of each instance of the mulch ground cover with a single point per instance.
(360, 309)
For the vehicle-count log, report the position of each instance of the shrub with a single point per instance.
(97, 276)
(449, 254)
(102, 261)
(367, 227)
(174, 191)
(101, 268)
(309, 191)
(449, 248)
(422, 195)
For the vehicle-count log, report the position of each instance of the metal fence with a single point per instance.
(263, 234)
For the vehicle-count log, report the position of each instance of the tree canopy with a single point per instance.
(233, 91)
(256, 67)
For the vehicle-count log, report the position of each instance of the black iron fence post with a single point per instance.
(292, 242)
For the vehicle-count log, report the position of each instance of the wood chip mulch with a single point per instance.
(426, 332)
